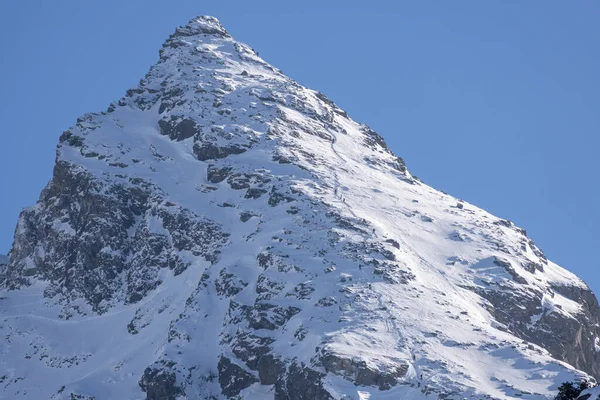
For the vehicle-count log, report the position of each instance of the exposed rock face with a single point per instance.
(362, 374)
(159, 383)
(528, 313)
(95, 240)
(223, 232)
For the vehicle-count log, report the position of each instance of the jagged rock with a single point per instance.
(209, 151)
(217, 175)
(232, 378)
(251, 348)
(301, 383)
(160, 383)
(178, 128)
(393, 243)
(362, 374)
(270, 369)
(509, 268)
(245, 216)
(269, 316)
(254, 193)
(77, 396)
(228, 284)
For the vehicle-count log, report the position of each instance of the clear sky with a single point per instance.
(494, 102)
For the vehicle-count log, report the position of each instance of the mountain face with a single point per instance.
(222, 232)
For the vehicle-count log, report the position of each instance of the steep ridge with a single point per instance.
(224, 232)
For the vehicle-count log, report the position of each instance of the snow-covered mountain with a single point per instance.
(224, 232)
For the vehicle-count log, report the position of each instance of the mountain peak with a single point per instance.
(224, 232)
(202, 25)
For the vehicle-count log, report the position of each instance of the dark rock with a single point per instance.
(228, 284)
(216, 175)
(251, 348)
(538, 252)
(509, 268)
(301, 383)
(269, 316)
(265, 259)
(70, 139)
(202, 25)
(270, 369)
(393, 243)
(360, 373)
(233, 378)
(275, 198)
(75, 264)
(326, 302)
(209, 151)
(281, 159)
(372, 138)
(245, 216)
(160, 383)
(267, 288)
(504, 222)
(303, 290)
(334, 107)
(533, 267)
(77, 396)
(352, 224)
(178, 129)
(254, 193)
(567, 339)
(238, 181)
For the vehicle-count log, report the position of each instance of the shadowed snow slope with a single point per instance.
(590, 394)
(223, 232)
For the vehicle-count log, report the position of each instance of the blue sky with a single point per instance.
(494, 102)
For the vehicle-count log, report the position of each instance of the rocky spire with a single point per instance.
(202, 25)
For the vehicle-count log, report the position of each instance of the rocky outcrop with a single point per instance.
(178, 128)
(574, 340)
(233, 378)
(362, 374)
(159, 383)
(300, 383)
(99, 240)
(523, 311)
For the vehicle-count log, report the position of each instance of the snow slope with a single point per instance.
(224, 232)
(590, 394)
